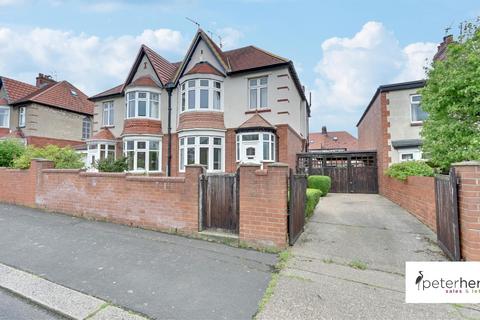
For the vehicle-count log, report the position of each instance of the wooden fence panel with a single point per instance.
(296, 212)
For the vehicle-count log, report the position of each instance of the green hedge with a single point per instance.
(111, 165)
(63, 158)
(405, 169)
(313, 196)
(322, 183)
(9, 151)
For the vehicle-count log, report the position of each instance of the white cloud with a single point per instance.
(90, 62)
(4, 3)
(352, 68)
(230, 37)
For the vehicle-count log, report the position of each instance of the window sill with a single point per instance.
(143, 118)
(107, 127)
(258, 110)
(416, 124)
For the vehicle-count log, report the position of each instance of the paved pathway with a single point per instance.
(348, 231)
(159, 275)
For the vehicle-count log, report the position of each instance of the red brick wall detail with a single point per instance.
(289, 143)
(469, 209)
(230, 151)
(263, 205)
(416, 195)
(201, 119)
(142, 126)
(43, 141)
(4, 132)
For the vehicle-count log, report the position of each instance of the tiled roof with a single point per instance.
(250, 58)
(256, 121)
(332, 140)
(110, 92)
(145, 81)
(62, 95)
(204, 68)
(3, 101)
(16, 89)
(164, 69)
(103, 134)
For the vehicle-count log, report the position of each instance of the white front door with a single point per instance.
(251, 152)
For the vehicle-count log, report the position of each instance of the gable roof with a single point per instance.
(204, 68)
(16, 89)
(145, 81)
(256, 121)
(103, 134)
(62, 95)
(110, 92)
(251, 57)
(392, 87)
(332, 140)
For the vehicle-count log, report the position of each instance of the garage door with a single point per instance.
(351, 172)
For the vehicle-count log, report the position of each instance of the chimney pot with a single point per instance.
(324, 130)
(43, 80)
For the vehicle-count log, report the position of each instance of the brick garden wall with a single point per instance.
(416, 195)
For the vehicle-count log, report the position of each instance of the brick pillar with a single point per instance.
(36, 167)
(263, 205)
(191, 195)
(469, 208)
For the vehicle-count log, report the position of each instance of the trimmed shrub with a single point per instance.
(63, 158)
(405, 169)
(9, 151)
(111, 165)
(322, 183)
(313, 196)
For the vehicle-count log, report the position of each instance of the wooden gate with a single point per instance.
(296, 206)
(219, 202)
(351, 172)
(448, 231)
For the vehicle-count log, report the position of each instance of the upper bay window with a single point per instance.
(107, 113)
(418, 115)
(258, 92)
(202, 149)
(201, 94)
(4, 117)
(142, 104)
(143, 154)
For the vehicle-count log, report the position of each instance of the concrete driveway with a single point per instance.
(159, 275)
(350, 263)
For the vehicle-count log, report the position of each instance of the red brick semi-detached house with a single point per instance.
(50, 112)
(216, 108)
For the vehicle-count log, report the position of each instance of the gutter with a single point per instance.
(169, 86)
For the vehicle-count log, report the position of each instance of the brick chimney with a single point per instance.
(324, 130)
(43, 80)
(442, 48)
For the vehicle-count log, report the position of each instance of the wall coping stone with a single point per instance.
(278, 164)
(466, 163)
(100, 174)
(62, 170)
(250, 164)
(156, 179)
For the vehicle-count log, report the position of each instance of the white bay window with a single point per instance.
(99, 150)
(201, 94)
(142, 104)
(207, 150)
(143, 154)
(255, 147)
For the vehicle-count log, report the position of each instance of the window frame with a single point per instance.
(147, 150)
(418, 104)
(197, 88)
(7, 121)
(415, 152)
(148, 101)
(257, 87)
(99, 147)
(22, 117)
(108, 113)
(197, 145)
(260, 143)
(89, 134)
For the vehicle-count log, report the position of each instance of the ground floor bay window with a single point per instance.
(255, 147)
(206, 148)
(99, 150)
(143, 153)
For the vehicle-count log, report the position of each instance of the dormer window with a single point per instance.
(201, 94)
(142, 104)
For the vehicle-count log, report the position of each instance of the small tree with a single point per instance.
(452, 99)
(9, 151)
(63, 158)
(111, 165)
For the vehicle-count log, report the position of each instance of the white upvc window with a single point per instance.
(202, 149)
(142, 104)
(86, 128)
(4, 117)
(99, 151)
(107, 113)
(258, 92)
(416, 111)
(255, 147)
(21, 117)
(143, 154)
(201, 94)
(409, 154)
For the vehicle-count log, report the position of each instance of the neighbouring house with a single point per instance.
(50, 112)
(216, 108)
(331, 141)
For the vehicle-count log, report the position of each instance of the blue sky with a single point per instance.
(342, 49)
